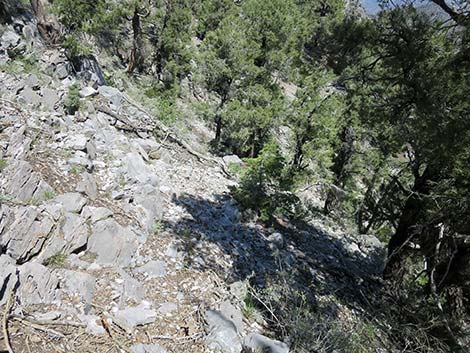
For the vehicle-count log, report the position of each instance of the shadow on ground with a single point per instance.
(317, 263)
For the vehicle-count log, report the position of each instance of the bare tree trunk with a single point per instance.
(136, 59)
(47, 24)
(411, 216)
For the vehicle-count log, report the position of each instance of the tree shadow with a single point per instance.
(318, 263)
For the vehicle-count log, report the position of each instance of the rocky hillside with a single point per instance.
(116, 236)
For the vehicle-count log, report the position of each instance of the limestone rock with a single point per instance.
(88, 186)
(8, 276)
(93, 324)
(222, 333)
(153, 269)
(38, 285)
(71, 201)
(87, 92)
(260, 343)
(131, 317)
(113, 95)
(27, 233)
(232, 159)
(76, 142)
(79, 283)
(112, 243)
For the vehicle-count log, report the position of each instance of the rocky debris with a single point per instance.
(37, 284)
(222, 333)
(152, 269)
(147, 348)
(112, 243)
(131, 288)
(260, 343)
(131, 317)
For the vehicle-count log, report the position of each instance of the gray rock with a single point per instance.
(167, 308)
(30, 96)
(88, 186)
(47, 316)
(32, 81)
(260, 343)
(10, 39)
(232, 313)
(27, 233)
(135, 168)
(38, 285)
(21, 182)
(49, 98)
(73, 235)
(112, 243)
(71, 201)
(76, 142)
(93, 324)
(62, 71)
(222, 333)
(131, 288)
(153, 269)
(147, 348)
(87, 92)
(112, 94)
(148, 196)
(131, 317)
(276, 240)
(232, 159)
(8, 276)
(96, 214)
(79, 283)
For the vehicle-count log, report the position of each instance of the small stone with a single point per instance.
(232, 159)
(223, 334)
(112, 94)
(62, 71)
(167, 308)
(71, 201)
(277, 240)
(32, 81)
(147, 348)
(258, 342)
(88, 186)
(131, 317)
(77, 142)
(153, 269)
(93, 324)
(87, 92)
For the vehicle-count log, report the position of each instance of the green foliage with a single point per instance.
(57, 260)
(264, 187)
(3, 164)
(72, 101)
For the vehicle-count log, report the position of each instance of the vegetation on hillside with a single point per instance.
(379, 118)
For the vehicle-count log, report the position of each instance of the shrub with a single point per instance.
(265, 186)
(72, 102)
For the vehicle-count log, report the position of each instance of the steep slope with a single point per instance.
(114, 238)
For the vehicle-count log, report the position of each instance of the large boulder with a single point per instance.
(112, 243)
(37, 284)
(260, 343)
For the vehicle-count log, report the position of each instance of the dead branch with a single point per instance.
(6, 315)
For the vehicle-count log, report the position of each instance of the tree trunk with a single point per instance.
(47, 24)
(136, 60)
(339, 164)
(410, 218)
(5, 15)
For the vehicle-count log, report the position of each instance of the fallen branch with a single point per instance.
(41, 328)
(116, 342)
(47, 322)
(6, 315)
(172, 137)
(184, 338)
